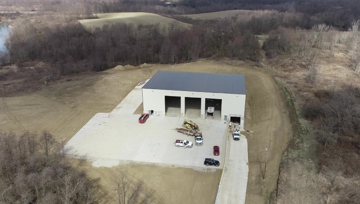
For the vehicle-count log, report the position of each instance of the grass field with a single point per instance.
(136, 18)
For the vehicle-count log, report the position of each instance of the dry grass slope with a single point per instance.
(239, 14)
(136, 18)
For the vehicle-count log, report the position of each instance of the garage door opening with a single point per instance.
(172, 106)
(213, 108)
(192, 107)
(236, 120)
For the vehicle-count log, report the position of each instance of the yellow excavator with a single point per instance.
(188, 124)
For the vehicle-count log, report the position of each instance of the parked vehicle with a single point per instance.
(216, 150)
(236, 134)
(143, 117)
(210, 112)
(199, 140)
(183, 143)
(211, 162)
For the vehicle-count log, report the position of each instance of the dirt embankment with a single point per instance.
(64, 108)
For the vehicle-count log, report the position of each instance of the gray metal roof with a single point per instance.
(197, 82)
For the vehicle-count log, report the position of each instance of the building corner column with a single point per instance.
(182, 106)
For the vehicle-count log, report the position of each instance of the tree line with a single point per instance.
(71, 48)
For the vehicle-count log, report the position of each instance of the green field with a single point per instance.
(136, 18)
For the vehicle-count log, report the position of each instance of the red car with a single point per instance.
(143, 117)
(216, 150)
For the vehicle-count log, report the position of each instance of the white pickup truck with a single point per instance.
(236, 134)
(183, 143)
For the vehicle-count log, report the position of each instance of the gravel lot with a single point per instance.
(109, 139)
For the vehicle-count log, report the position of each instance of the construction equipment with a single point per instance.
(188, 124)
(188, 132)
(191, 129)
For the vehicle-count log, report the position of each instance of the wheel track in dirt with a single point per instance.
(4, 107)
(271, 132)
(67, 125)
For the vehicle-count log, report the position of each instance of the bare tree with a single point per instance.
(33, 171)
(167, 53)
(354, 47)
(313, 76)
(326, 133)
(129, 190)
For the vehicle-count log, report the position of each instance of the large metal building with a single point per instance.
(196, 95)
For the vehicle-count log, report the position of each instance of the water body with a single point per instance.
(4, 33)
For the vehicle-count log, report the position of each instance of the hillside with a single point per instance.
(319, 76)
(238, 14)
(135, 18)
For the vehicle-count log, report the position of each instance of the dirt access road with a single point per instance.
(63, 108)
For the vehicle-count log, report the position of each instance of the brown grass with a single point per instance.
(136, 18)
(300, 186)
(238, 14)
(322, 177)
